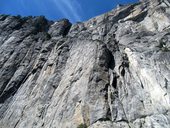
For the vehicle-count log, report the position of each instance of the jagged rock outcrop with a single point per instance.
(112, 71)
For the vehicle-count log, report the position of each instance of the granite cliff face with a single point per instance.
(112, 71)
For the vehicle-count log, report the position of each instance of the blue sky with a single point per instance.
(74, 10)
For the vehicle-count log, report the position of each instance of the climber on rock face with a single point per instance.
(124, 64)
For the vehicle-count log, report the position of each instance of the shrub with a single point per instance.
(82, 126)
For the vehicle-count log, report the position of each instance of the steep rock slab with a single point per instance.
(111, 71)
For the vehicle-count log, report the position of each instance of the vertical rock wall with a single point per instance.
(110, 71)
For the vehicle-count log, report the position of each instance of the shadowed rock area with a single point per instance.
(112, 71)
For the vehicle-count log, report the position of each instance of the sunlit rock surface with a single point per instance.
(112, 71)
